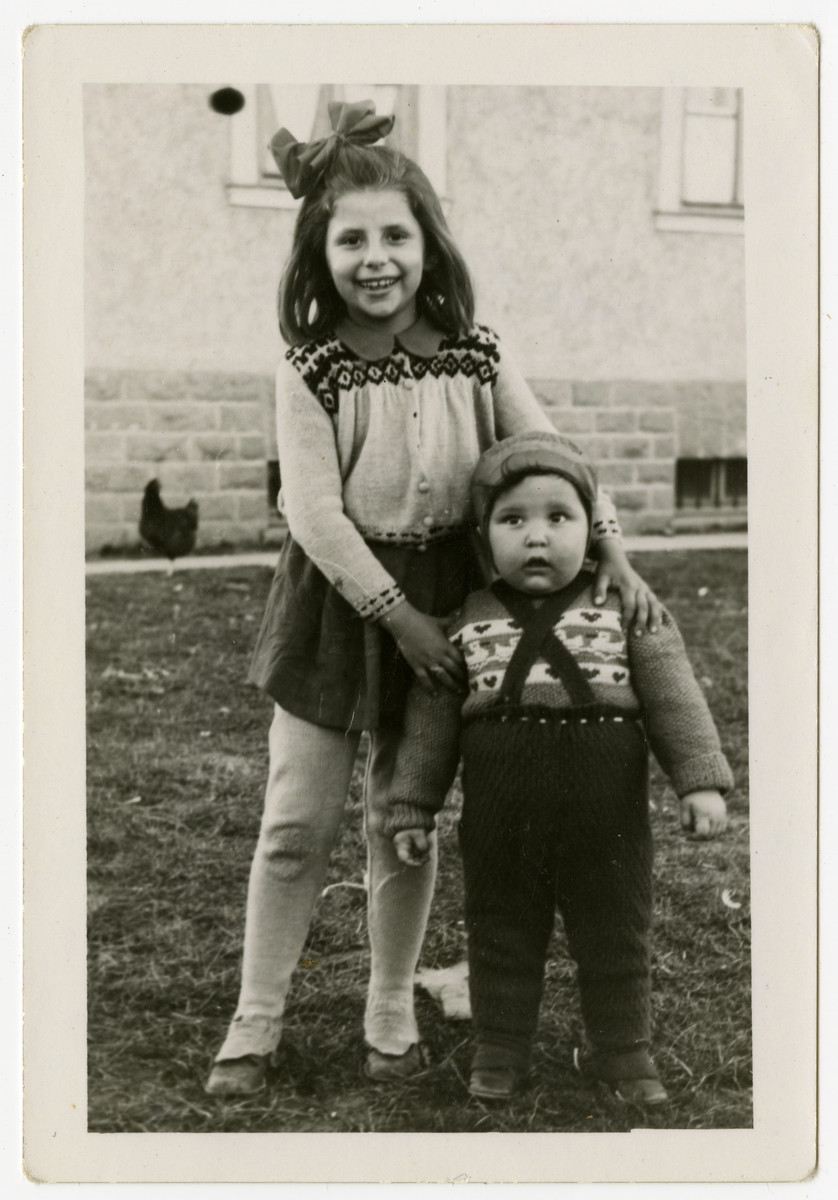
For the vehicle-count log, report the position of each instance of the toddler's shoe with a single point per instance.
(631, 1076)
(392, 1068)
(238, 1076)
(495, 1083)
(497, 1071)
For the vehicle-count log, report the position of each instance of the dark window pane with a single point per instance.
(711, 482)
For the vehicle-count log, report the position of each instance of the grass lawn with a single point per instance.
(177, 754)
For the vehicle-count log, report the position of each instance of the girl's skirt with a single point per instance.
(319, 660)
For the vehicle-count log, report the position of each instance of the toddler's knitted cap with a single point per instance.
(538, 452)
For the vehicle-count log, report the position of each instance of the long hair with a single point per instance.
(309, 305)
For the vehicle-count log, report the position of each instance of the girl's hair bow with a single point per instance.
(302, 164)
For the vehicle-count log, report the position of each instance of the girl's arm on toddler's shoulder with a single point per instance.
(312, 491)
(516, 408)
(640, 606)
(679, 725)
(518, 411)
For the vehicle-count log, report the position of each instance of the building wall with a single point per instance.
(202, 434)
(633, 338)
(553, 202)
(176, 278)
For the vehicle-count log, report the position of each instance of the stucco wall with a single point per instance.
(633, 338)
(552, 192)
(175, 277)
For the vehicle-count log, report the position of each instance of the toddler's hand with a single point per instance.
(413, 846)
(427, 650)
(704, 813)
(641, 607)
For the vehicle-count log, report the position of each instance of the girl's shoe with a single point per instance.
(392, 1068)
(495, 1083)
(238, 1076)
(632, 1077)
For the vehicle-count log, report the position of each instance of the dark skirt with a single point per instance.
(319, 660)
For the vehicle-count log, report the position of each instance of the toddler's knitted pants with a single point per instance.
(556, 816)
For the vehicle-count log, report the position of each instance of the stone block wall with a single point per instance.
(203, 435)
(209, 436)
(635, 431)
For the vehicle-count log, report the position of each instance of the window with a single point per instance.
(701, 179)
(711, 483)
(254, 179)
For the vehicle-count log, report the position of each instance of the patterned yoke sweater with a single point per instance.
(378, 436)
(648, 676)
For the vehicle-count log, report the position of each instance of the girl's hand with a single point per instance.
(428, 652)
(641, 607)
(704, 813)
(413, 846)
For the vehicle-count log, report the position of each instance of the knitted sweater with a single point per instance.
(378, 437)
(648, 675)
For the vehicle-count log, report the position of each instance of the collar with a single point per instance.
(520, 604)
(421, 338)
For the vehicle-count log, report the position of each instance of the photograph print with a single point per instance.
(416, 507)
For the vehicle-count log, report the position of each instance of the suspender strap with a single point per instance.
(539, 640)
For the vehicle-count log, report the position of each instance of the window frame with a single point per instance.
(673, 213)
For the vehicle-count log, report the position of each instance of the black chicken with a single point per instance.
(171, 531)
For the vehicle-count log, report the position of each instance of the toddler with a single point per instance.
(553, 735)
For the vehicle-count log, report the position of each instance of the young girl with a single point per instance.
(386, 400)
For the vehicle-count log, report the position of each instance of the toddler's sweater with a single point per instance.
(648, 676)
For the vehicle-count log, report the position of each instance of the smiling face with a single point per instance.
(375, 251)
(538, 534)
